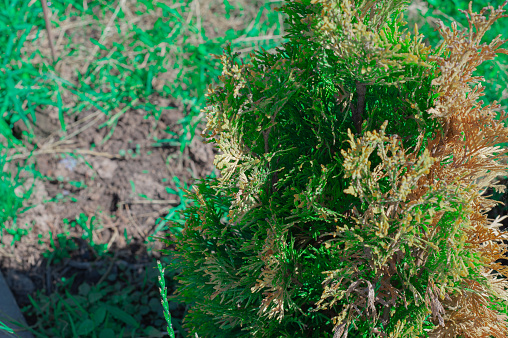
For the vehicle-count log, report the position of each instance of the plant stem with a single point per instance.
(361, 90)
(45, 11)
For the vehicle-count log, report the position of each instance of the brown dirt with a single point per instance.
(108, 196)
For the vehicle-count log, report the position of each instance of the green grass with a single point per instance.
(120, 69)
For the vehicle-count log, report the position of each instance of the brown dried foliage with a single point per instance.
(469, 136)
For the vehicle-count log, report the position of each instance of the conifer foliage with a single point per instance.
(353, 161)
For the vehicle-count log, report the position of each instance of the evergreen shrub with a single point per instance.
(353, 161)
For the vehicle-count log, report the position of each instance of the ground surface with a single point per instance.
(108, 196)
(119, 185)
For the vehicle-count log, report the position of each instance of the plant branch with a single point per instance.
(45, 11)
(361, 91)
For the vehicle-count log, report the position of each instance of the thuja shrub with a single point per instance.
(350, 204)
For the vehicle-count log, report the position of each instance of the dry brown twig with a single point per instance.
(45, 11)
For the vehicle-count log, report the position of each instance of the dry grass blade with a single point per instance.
(48, 29)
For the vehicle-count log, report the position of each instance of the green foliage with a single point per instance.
(13, 195)
(24, 84)
(165, 305)
(101, 310)
(64, 245)
(296, 240)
